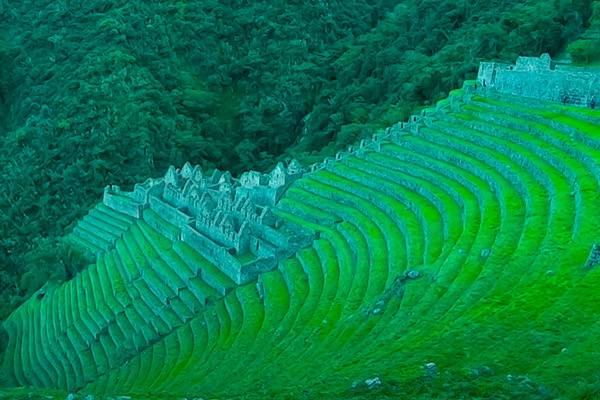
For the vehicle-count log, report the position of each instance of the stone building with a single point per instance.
(541, 78)
(228, 221)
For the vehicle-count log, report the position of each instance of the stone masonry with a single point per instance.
(228, 221)
(541, 78)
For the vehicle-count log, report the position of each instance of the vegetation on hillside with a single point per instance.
(586, 50)
(95, 93)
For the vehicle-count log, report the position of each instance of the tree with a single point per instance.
(584, 51)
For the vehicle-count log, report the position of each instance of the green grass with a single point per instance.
(417, 218)
(489, 175)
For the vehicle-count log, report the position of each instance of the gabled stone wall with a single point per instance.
(540, 78)
(225, 219)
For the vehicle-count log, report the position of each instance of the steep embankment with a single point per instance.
(491, 198)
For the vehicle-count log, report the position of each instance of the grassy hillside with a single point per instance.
(492, 202)
(97, 93)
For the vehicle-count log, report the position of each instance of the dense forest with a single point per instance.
(113, 92)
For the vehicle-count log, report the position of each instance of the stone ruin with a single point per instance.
(544, 79)
(228, 221)
(594, 257)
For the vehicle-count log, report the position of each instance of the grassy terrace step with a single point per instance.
(105, 225)
(546, 191)
(100, 228)
(52, 348)
(229, 321)
(537, 289)
(111, 217)
(580, 158)
(393, 236)
(542, 203)
(305, 332)
(556, 175)
(388, 213)
(410, 301)
(153, 219)
(535, 195)
(327, 311)
(301, 330)
(510, 213)
(114, 310)
(209, 273)
(95, 249)
(338, 249)
(536, 137)
(253, 317)
(97, 294)
(101, 234)
(336, 254)
(228, 365)
(370, 322)
(358, 297)
(564, 224)
(154, 271)
(201, 344)
(91, 239)
(171, 268)
(549, 110)
(312, 277)
(577, 138)
(430, 211)
(588, 171)
(146, 282)
(368, 283)
(197, 339)
(452, 206)
(277, 303)
(312, 214)
(303, 274)
(39, 362)
(484, 211)
(565, 127)
(298, 290)
(495, 203)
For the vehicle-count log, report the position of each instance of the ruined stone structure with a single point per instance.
(228, 221)
(541, 78)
